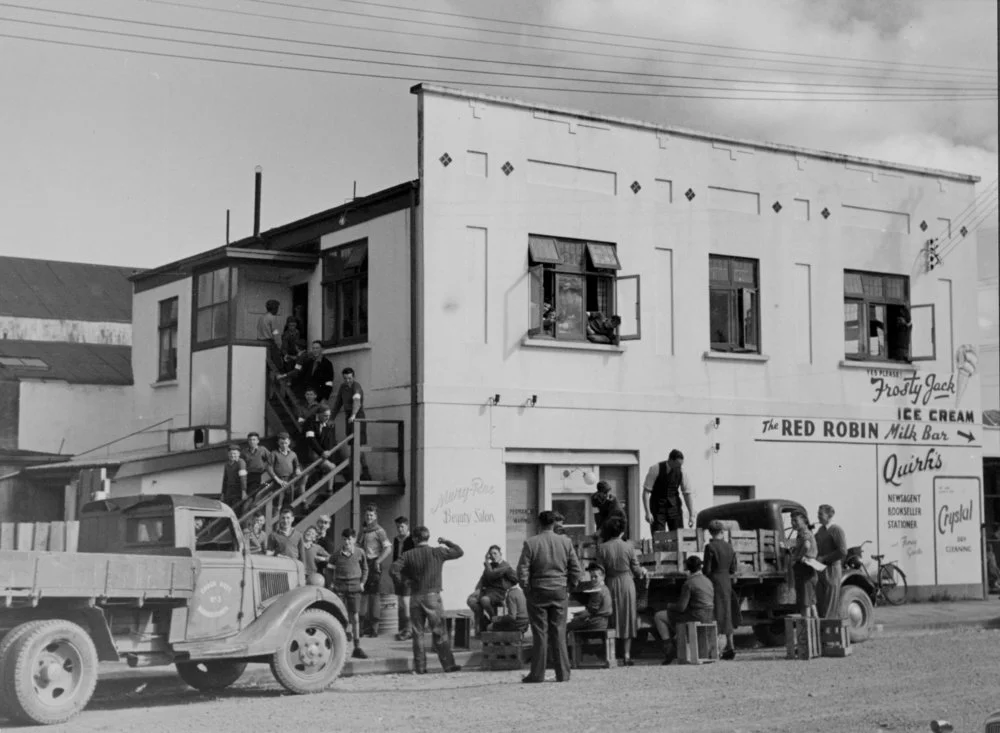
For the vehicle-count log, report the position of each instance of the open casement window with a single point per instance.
(923, 337)
(878, 323)
(734, 305)
(575, 292)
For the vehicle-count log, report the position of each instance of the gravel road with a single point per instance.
(895, 683)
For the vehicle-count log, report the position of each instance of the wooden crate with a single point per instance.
(747, 562)
(744, 540)
(802, 637)
(686, 540)
(45, 536)
(663, 563)
(459, 625)
(503, 650)
(600, 642)
(697, 643)
(834, 638)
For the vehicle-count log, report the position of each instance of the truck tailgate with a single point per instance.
(94, 575)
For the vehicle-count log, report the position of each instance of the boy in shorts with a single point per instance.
(346, 573)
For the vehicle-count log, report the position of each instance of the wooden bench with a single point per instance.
(697, 643)
(599, 641)
(802, 637)
(459, 625)
(834, 638)
(503, 650)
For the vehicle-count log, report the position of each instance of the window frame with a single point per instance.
(736, 293)
(866, 303)
(337, 285)
(225, 304)
(171, 326)
(550, 273)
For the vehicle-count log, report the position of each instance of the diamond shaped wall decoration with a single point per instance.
(689, 194)
(635, 187)
(507, 168)
(964, 231)
(445, 160)
(825, 213)
(923, 226)
(776, 206)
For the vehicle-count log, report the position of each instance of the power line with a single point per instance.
(467, 59)
(948, 95)
(411, 33)
(608, 34)
(524, 34)
(970, 211)
(957, 236)
(461, 83)
(972, 227)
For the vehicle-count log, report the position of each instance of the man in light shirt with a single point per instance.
(662, 491)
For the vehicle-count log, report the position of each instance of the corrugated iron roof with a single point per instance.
(65, 290)
(71, 362)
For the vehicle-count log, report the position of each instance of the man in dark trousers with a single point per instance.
(831, 549)
(316, 372)
(322, 435)
(350, 399)
(421, 568)
(546, 570)
(258, 460)
(662, 491)
(234, 479)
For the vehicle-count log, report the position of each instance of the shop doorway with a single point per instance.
(730, 494)
(300, 308)
(522, 506)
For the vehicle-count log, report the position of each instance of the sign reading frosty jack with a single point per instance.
(956, 530)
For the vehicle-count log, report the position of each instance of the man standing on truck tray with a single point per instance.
(284, 540)
(547, 569)
(234, 479)
(257, 459)
(351, 400)
(696, 603)
(421, 568)
(831, 549)
(284, 464)
(662, 490)
(374, 542)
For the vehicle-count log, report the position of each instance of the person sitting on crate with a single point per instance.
(498, 577)
(606, 505)
(720, 567)
(696, 603)
(619, 560)
(515, 616)
(596, 615)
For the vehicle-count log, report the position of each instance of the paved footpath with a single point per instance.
(387, 656)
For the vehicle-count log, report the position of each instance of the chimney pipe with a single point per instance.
(258, 174)
(227, 227)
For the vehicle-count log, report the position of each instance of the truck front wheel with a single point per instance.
(856, 608)
(211, 676)
(313, 655)
(50, 672)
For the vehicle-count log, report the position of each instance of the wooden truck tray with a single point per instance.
(35, 575)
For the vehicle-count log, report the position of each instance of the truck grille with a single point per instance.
(272, 584)
(992, 726)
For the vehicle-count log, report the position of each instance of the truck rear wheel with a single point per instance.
(313, 654)
(6, 681)
(211, 676)
(856, 607)
(50, 672)
(770, 634)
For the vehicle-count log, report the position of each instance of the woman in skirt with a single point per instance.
(621, 565)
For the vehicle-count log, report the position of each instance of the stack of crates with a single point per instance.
(670, 549)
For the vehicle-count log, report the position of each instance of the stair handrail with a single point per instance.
(261, 500)
(283, 391)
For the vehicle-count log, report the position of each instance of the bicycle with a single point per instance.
(889, 581)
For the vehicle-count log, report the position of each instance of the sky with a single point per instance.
(117, 157)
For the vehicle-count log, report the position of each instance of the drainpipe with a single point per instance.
(415, 504)
(258, 174)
